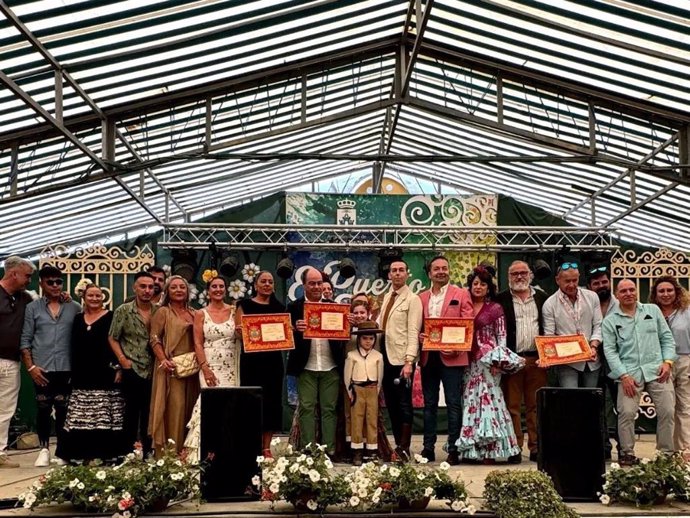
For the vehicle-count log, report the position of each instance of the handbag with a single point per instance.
(185, 365)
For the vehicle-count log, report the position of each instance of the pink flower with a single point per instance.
(125, 504)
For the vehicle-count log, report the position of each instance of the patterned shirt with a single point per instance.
(131, 332)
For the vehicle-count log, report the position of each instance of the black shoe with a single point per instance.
(515, 459)
(533, 456)
(428, 454)
(357, 458)
(453, 458)
(628, 460)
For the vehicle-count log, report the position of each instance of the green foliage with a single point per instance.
(649, 482)
(127, 489)
(524, 494)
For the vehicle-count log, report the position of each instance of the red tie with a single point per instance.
(384, 320)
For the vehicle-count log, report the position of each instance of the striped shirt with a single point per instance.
(526, 322)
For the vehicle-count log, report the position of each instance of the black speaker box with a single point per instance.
(571, 440)
(231, 431)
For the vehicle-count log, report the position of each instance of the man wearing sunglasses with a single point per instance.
(574, 311)
(46, 352)
(13, 302)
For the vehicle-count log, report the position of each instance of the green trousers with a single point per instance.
(317, 387)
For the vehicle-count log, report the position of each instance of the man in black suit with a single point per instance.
(317, 364)
(522, 307)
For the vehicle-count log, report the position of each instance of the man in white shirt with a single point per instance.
(574, 311)
(317, 364)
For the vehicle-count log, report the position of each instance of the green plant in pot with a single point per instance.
(524, 494)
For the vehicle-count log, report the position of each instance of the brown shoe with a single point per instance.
(628, 460)
(5, 462)
(453, 458)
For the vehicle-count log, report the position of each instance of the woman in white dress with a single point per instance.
(216, 350)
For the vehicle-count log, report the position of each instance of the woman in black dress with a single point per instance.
(263, 369)
(96, 407)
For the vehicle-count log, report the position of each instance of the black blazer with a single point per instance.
(298, 357)
(505, 299)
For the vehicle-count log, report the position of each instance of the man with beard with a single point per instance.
(443, 300)
(13, 302)
(522, 305)
(574, 311)
(598, 281)
(129, 340)
(159, 277)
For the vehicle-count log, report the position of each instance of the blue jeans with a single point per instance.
(571, 378)
(433, 373)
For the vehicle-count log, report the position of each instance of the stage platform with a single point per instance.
(15, 481)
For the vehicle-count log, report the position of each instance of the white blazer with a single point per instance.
(403, 326)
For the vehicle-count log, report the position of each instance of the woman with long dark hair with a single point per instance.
(487, 430)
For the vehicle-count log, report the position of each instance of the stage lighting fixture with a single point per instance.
(229, 266)
(386, 257)
(541, 269)
(285, 268)
(347, 268)
(184, 263)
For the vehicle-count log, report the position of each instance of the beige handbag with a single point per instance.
(185, 365)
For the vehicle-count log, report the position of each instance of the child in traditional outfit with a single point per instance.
(363, 378)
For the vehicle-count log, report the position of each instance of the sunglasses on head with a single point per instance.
(53, 282)
(598, 269)
(568, 266)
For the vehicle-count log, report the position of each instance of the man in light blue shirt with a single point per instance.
(46, 352)
(640, 350)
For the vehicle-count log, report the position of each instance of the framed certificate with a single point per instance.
(561, 350)
(269, 332)
(448, 334)
(326, 320)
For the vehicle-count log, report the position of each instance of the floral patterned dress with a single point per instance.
(487, 430)
(223, 357)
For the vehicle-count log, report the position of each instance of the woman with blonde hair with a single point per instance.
(674, 302)
(216, 350)
(172, 397)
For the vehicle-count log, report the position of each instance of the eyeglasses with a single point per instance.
(519, 274)
(598, 269)
(568, 266)
(53, 282)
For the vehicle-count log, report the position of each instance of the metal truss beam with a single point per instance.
(364, 237)
(168, 100)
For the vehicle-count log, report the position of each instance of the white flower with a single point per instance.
(260, 459)
(644, 460)
(384, 468)
(167, 269)
(310, 461)
(314, 475)
(354, 501)
(312, 505)
(605, 499)
(80, 485)
(294, 468)
(73, 483)
(378, 492)
(274, 488)
(394, 472)
(171, 442)
(92, 498)
(275, 441)
(100, 475)
(202, 298)
(444, 466)
(249, 271)
(615, 465)
(178, 463)
(126, 496)
(256, 480)
(428, 491)
(29, 499)
(420, 459)
(456, 505)
(126, 514)
(362, 493)
(303, 470)
(193, 292)
(237, 289)
(470, 509)
(301, 458)
(160, 462)
(421, 476)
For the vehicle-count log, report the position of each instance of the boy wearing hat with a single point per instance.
(363, 378)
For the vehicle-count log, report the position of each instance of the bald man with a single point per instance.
(640, 350)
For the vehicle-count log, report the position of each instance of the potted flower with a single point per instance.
(524, 494)
(133, 487)
(649, 482)
(305, 479)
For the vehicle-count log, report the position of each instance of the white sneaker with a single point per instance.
(58, 461)
(43, 460)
